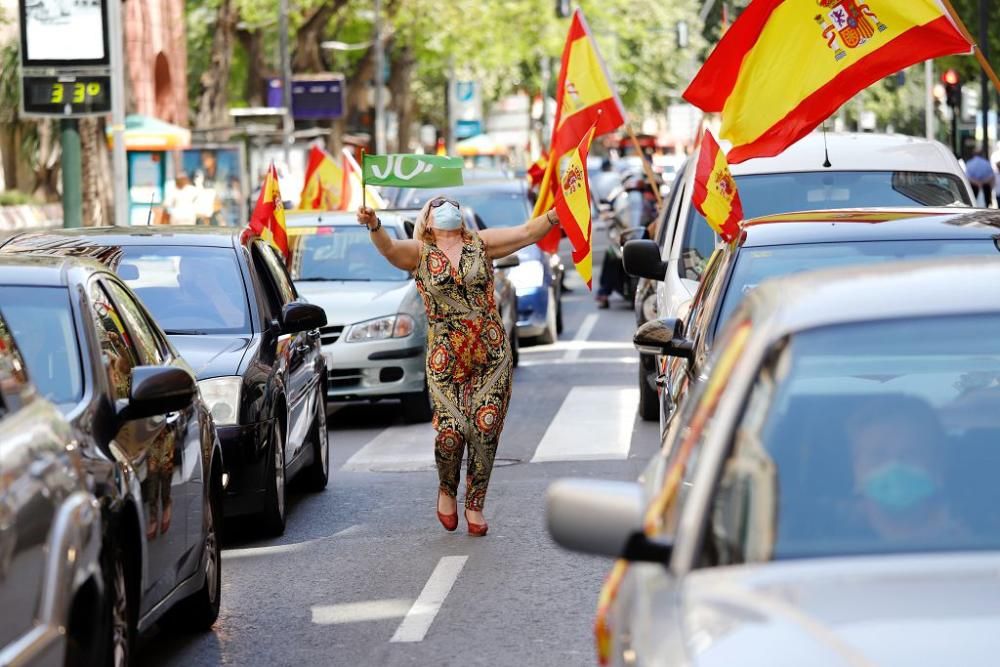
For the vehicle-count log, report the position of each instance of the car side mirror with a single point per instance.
(642, 259)
(508, 262)
(408, 226)
(299, 316)
(157, 390)
(664, 336)
(602, 518)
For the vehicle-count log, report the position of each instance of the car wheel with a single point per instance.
(200, 611)
(318, 473)
(649, 401)
(274, 499)
(559, 313)
(120, 610)
(417, 407)
(515, 347)
(551, 333)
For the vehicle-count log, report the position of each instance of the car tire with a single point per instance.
(417, 407)
(649, 400)
(317, 475)
(559, 312)
(515, 347)
(199, 612)
(120, 609)
(274, 496)
(551, 332)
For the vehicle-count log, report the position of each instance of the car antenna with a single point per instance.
(149, 214)
(826, 149)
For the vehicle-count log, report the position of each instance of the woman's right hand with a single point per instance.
(367, 217)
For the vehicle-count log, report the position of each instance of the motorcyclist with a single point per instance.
(632, 209)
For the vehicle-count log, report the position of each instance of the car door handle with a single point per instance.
(172, 417)
(662, 381)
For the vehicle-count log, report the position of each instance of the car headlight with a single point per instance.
(527, 275)
(222, 396)
(381, 328)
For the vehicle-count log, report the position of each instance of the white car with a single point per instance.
(865, 170)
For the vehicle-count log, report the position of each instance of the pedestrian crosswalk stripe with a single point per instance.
(421, 615)
(594, 423)
(397, 449)
(357, 612)
(582, 334)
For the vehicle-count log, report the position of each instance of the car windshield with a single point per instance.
(42, 323)
(879, 437)
(771, 194)
(340, 253)
(755, 265)
(188, 289)
(497, 208)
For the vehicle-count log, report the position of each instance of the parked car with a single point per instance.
(51, 583)
(226, 301)
(833, 494)
(789, 243)
(538, 278)
(866, 170)
(144, 435)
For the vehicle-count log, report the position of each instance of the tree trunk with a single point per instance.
(213, 102)
(400, 79)
(308, 54)
(252, 42)
(96, 173)
(46, 168)
(8, 151)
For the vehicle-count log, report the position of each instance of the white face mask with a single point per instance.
(447, 217)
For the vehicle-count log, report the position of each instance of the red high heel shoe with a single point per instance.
(476, 529)
(449, 521)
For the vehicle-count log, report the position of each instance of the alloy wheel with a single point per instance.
(279, 469)
(324, 436)
(212, 550)
(120, 617)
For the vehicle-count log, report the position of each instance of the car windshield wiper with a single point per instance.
(185, 332)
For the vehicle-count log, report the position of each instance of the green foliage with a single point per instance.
(15, 198)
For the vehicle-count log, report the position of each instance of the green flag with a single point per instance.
(412, 171)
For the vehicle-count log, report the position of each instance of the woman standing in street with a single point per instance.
(469, 363)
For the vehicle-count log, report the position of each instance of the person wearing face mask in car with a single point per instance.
(469, 363)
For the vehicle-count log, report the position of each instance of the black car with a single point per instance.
(145, 437)
(51, 581)
(789, 243)
(226, 301)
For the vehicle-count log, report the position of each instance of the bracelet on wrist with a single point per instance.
(377, 227)
(552, 220)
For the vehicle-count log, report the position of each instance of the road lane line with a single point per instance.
(418, 619)
(399, 448)
(586, 360)
(593, 424)
(358, 612)
(582, 334)
(294, 547)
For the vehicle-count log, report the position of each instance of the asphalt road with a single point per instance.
(365, 575)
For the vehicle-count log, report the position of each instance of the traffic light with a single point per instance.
(563, 10)
(952, 88)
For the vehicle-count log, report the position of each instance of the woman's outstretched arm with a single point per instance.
(504, 241)
(403, 254)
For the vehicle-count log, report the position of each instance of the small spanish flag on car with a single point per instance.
(268, 218)
(715, 193)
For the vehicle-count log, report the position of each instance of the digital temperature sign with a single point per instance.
(67, 96)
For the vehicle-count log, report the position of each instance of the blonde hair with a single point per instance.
(423, 231)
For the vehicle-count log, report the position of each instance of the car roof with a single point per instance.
(475, 187)
(874, 224)
(887, 291)
(159, 235)
(45, 271)
(344, 218)
(855, 152)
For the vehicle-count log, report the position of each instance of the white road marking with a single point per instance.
(569, 345)
(398, 448)
(418, 619)
(585, 360)
(593, 424)
(295, 547)
(357, 612)
(582, 334)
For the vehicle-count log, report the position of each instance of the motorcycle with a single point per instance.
(617, 214)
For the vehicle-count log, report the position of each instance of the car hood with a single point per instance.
(212, 355)
(348, 302)
(893, 610)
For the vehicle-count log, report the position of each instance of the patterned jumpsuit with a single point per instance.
(469, 364)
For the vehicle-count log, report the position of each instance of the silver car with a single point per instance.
(831, 498)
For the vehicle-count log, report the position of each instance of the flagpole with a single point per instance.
(646, 167)
(364, 188)
(985, 64)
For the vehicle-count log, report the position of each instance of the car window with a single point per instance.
(145, 341)
(41, 319)
(340, 253)
(502, 207)
(188, 289)
(872, 438)
(118, 352)
(277, 273)
(754, 265)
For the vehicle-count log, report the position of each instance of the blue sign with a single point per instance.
(468, 128)
(318, 99)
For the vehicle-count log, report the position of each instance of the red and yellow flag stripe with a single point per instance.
(268, 218)
(573, 205)
(715, 194)
(786, 65)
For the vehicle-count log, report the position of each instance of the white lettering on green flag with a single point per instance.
(412, 171)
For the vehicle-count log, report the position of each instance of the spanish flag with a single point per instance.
(785, 66)
(268, 218)
(573, 205)
(326, 183)
(585, 98)
(715, 194)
